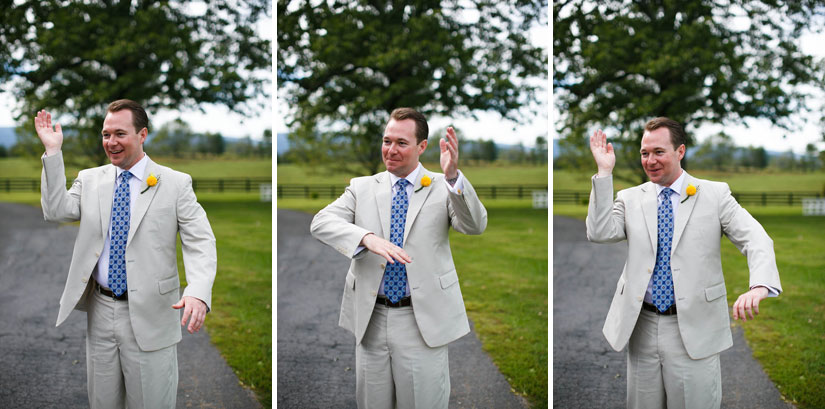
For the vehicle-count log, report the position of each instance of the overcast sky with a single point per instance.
(490, 125)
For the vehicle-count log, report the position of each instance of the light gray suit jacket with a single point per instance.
(157, 216)
(436, 297)
(699, 286)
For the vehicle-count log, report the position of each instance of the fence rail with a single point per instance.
(745, 198)
(333, 191)
(198, 184)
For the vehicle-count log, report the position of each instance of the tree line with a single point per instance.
(716, 153)
(173, 139)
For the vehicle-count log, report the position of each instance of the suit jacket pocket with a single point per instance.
(169, 284)
(714, 292)
(448, 279)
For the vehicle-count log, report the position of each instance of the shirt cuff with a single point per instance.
(772, 292)
(458, 187)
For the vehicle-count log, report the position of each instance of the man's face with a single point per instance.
(399, 149)
(659, 159)
(121, 141)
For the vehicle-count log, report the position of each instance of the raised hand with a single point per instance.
(449, 154)
(602, 153)
(52, 138)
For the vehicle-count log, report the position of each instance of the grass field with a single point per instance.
(197, 168)
(788, 336)
(240, 323)
(479, 175)
(765, 181)
(504, 282)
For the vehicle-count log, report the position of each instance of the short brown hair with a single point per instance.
(139, 118)
(422, 131)
(677, 132)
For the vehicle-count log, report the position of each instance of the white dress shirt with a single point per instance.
(101, 270)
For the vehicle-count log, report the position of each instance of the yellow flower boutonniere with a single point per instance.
(691, 190)
(425, 181)
(152, 180)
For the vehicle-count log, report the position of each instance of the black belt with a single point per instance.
(652, 308)
(109, 293)
(404, 302)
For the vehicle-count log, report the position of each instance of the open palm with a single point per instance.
(52, 138)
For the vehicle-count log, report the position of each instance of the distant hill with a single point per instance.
(282, 143)
(7, 137)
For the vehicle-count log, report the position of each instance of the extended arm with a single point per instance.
(200, 258)
(752, 241)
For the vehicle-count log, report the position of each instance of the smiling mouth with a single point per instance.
(116, 152)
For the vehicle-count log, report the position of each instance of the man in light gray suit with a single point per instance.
(401, 299)
(124, 265)
(669, 307)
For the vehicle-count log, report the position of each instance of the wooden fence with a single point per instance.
(745, 198)
(333, 191)
(198, 184)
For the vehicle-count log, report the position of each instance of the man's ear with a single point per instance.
(422, 146)
(681, 149)
(143, 133)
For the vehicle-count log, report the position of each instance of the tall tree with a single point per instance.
(73, 58)
(343, 65)
(619, 63)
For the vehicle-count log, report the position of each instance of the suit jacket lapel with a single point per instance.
(685, 209)
(143, 200)
(383, 201)
(106, 192)
(419, 194)
(650, 210)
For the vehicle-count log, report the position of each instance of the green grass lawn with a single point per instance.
(788, 336)
(478, 175)
(762, 181)
(240, 323)
(197, 168)
(503, 276)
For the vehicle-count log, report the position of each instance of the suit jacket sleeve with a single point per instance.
(59, 205)
(467, 214)
(200, 258)
(751, 239)
(335, 225)
(605, 218)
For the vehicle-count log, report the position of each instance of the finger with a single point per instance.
(610, 148)
(58, 129)
(195, 322)
(442, 144)
(756, 306)
(187, 312)
(178, 305)
(736, 309)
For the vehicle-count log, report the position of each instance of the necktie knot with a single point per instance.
(402, 183)
(126, 175)
(666, 192)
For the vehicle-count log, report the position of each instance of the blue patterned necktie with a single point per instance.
(395, 274)
(120, 231)
(662, 277)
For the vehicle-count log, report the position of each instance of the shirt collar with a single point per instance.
(410, 178)
(138, 169)
(676, 186)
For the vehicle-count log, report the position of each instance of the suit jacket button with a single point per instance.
(640, 298)
(97, 255)
(650, 271)
(373, 294)
(84, 280)
(383, 266)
